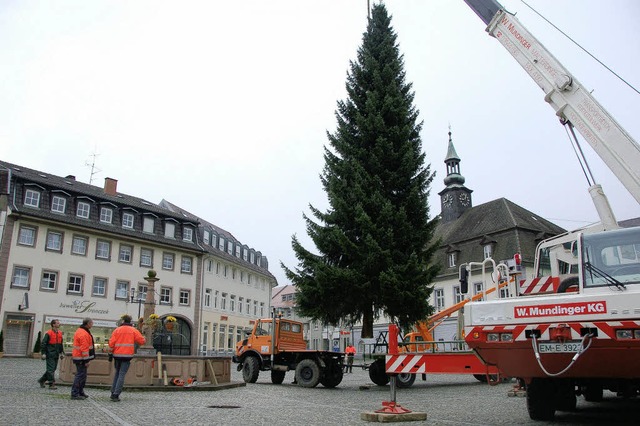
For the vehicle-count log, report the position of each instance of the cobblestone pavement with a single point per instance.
(447, 400)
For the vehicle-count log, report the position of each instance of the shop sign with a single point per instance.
(83, 306)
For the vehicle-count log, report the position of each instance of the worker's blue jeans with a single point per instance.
(121, 367)
(80, 379)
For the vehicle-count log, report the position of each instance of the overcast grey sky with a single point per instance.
(222, 107)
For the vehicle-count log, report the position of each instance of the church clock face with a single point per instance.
(464, 199)
(447, 200)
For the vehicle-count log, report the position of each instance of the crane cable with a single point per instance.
(585, 50)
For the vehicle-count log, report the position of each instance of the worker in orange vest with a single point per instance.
(83, 352)
(122, 345)
(351, 353)
(52, 349)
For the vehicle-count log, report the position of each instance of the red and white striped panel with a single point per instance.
(539, 285)
(408, 363)
(606, 329)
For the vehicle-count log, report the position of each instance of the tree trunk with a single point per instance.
(367, 324)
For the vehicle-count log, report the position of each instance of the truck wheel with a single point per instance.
(566, 396)
(332, 375)
(405, 380)
(250, 369)
(593, 392)
(377, 373)
(308, 373)
(540, 399)
(277, 377)
(483, 377)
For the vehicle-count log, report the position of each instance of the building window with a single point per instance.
(187, 234)
(142, 292)
(165, 296)
(122, 290)
(206, 237)
(103, 250)
(217, 268)
(106, 215)
(439, 299)
(27, 236)
(146, 257)
(477, 289)
(215, 299)
(249, 279)
(452, 259)
(32, 198)
(223, 302)
(457, 296)
(226, 271)
(255, 308)
(232, 303)
(252, 257)
(240, 304)
(58, 204)
(75, 284)
(185, 265)
(21, 276)
(126, 254)
(167, 261)
(237, 251)
(49, 280)
(99, 287)
(248, 306)
(54, 241)
(207, 298)
(83, 210)
(244, 254)
(261, 309)
(241, 276)
(230, 247)
(169, 230)
(127, 220)
(221, 244)
(148, 225)
(213, 240)
(79, 245)
(233, 273)
(209, 265)
(185, 297)
(487, 250)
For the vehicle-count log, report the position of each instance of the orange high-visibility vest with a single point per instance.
(123, 340)
(55, 338)
(82, 345)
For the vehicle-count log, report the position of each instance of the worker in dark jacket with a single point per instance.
(122, 344)
(51, 350)
(83, 352)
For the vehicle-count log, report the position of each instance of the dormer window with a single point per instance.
(221, 243)
(58, 204)
(206, 237)
(169, 230)
(230, 247)
(187, 234)
(32, 198)
(237, 251)
(452, 259)
(106, 215)
(127, 220)
(487, 250)
(83, 210)
(148, 224)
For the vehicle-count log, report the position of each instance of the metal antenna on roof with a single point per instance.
(94, 169)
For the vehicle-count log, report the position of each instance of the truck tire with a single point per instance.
(308, 373)
(277, 377)
(540, 399)
(405, 380)
(566, 396)
(332, 375)
(250, 369)
(377, 373)
(593, 392)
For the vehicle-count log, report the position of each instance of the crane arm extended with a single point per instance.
(571, 101)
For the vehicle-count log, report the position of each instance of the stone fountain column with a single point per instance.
(149, 308)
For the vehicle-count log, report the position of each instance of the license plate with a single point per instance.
(544, 348)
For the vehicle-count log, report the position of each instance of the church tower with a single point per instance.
(455, 198)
